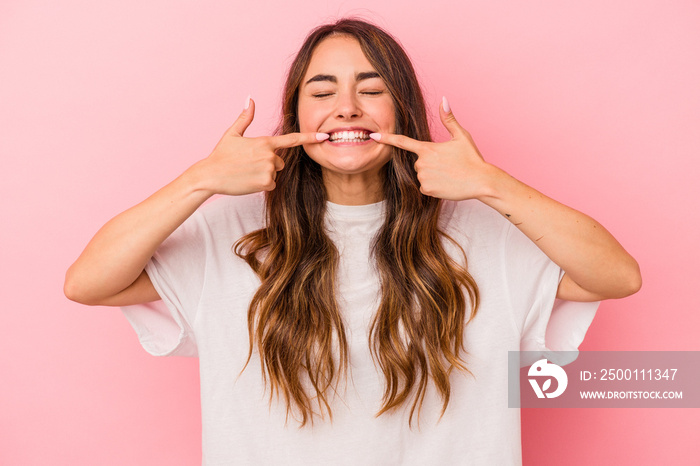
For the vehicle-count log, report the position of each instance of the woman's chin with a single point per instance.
(353, 166)
(351, 162)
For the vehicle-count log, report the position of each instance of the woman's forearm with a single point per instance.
(115, 258)
(596, 265)
(591, 257)
(117, 254)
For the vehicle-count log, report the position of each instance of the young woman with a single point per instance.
(361, 309)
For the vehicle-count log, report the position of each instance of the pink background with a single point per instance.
(595, 103)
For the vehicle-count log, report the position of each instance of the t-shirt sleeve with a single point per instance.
(177, 271)
(546, 323)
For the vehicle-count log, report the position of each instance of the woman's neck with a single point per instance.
(357, 189)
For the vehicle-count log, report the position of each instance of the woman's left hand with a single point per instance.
(596, 265)
(454, 169)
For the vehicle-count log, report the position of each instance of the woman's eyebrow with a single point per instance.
(330, 78)
(366, 75)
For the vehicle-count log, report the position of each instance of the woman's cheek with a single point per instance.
(311, 116)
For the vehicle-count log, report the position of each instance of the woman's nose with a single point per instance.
(347, 106)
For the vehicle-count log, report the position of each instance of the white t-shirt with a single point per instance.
(206, 290)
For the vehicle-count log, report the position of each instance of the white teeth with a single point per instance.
(350, 136)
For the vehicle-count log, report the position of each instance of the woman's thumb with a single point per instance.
(244, 119)
(449, 120)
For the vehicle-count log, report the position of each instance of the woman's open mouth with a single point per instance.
(349, 137)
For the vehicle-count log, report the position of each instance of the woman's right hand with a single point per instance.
(110, 271)
(239, 165)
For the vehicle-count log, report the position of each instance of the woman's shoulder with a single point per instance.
(472, 217)
(249, 204)
(232, 213)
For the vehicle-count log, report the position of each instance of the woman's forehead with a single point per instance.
(340, 56)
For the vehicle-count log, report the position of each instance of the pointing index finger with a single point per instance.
(397, 140)
(297, 139)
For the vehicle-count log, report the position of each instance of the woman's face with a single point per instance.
(341, 94)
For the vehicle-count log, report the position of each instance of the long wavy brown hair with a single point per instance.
(427, 297)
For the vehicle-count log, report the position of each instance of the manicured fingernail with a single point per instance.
(247, 103)
(375, 136)
(322, 136)
(445, 105)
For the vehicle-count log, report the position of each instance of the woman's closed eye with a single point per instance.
(321, 95)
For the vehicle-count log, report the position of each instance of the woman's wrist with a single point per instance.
(511, 197)
(496, 186)
(196, 182)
